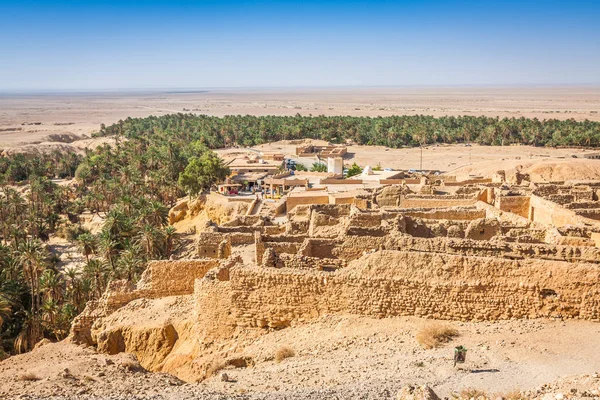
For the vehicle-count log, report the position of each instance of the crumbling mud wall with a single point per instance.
(160, 279)
(515, 204)
(392, 283)
(450, 214)
(213, 245)
(172, 278)
(549, 213)
(436, 202)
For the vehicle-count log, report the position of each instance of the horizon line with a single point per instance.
(193, 90)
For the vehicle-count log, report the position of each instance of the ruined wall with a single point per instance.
(549, 213)
(320, 248)
(588, 213)
(482, 229)
(172, 278)
(439, 202)
(298, 261)
(213, 245)
(354, 247)
(454, 214)
(160, 279)
(467, 182)
(392, 283)
(482, 248)
(515, 204)
(293, 201)
(429, 228)
(279, 244)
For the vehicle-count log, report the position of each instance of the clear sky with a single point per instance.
(118, 44)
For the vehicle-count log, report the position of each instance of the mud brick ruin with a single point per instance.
(470, 251)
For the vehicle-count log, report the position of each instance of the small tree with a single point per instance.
(319, 167)
(300, 167)
(355, 169)
(202, 172)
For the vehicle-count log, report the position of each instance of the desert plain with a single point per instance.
(336, 356)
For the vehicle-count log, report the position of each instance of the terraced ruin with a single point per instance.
(475, 251)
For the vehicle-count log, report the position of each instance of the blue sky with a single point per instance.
(46, 45)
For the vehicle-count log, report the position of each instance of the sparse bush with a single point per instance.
(29, 377)
(284, 352)
(215, 366)
(433, 335)
(471, 393)
(514, 395)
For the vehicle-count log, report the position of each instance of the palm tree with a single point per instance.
(87, 244)
(6, 305)
(74, 290)
(49, 316)
(108, 248)
(33, 262)
(51, 285)
(131, 262)
(97, 273)
(147, 238)
(169, 235)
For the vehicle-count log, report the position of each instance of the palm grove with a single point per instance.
(131, 185)
(155, 161)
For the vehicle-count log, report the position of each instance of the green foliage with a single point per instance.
(202, 172)
(395, 131)
(354, 170)
(318, 167)
(301, 167)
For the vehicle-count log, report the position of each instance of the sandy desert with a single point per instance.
(548, 352)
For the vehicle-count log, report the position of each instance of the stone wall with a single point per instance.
(546, 212)
(453, 214)
(294, 200)
(160, 279)
(393, 283)
(213, 245)
(439, 202)
(515, 204)
(482, 248)
(172, 278)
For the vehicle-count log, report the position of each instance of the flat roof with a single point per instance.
(243, 162)
(378, 175)
(249, 176)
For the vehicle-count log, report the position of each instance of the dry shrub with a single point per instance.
(215, 366)
(29, 377)
(471, 393)
(432, 335)
(284, 352)
(514, 395)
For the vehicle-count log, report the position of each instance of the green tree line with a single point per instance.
(394, 131)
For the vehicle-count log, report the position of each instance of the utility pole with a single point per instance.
(421, 169)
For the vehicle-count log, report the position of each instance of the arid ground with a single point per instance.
(84, 112)
(350, 356)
